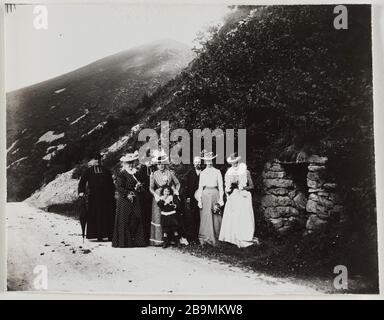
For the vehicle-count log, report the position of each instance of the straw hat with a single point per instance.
(159, 156)
(208, 155)
(233, 158)
(129, 157)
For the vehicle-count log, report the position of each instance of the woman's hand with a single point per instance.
(200, 205)
(156, 196)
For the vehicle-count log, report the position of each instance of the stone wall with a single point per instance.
(286, 203)
(323, 203)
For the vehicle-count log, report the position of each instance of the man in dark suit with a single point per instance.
(193, 211)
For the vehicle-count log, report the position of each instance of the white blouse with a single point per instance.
(236, 175)
(211, 178)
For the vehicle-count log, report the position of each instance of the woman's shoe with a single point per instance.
(165, 243)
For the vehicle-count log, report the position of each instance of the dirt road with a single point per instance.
(38, 238)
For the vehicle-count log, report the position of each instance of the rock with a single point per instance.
(315, 176)
(315, 223)
(291, 221)
(323, 201)
(314, 184)
(314, 190)
(324, 193)
(275, 201)
(273, 174)
(292, 194)
(280, 183)
(277, 191)
(331, 186)
(277, 212)
(313, 196)
(315, 168)
(277, 223)
(293, 212)
(324, 215)
(317, 159)
(273, 213)
(300, 201)
(273, 166)
(284, 230)
(311, 206)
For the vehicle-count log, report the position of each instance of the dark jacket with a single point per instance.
(192, 184)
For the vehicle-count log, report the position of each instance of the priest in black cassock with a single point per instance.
(97, 184)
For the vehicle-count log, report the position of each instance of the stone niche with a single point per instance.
(299, 194)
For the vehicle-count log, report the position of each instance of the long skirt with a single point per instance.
(209, 223)
(100, 216)
(129, 230)
(191, 221)
(156, 238)
(238, 224)
(146, 209)
(169, 223)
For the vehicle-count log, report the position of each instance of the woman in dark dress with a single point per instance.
(129, 230)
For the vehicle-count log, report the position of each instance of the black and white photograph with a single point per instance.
(172, 149)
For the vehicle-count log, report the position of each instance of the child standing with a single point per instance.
(168, 203)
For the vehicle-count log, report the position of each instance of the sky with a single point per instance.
(80, 34)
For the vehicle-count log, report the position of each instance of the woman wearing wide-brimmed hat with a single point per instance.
(238, 224)
(129, 230)
(158, 179)
(209, 197)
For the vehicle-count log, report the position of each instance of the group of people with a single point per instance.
(152, 207)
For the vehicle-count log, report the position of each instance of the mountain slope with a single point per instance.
(47, 117)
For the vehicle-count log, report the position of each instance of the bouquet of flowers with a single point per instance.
(217, 209)
(234, 185)
(139, 187)
(131, 196)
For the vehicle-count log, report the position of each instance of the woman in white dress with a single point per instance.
(238, 223)
(209, 194)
